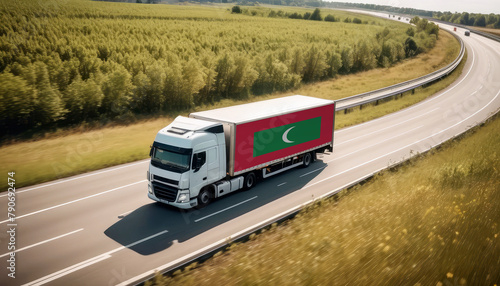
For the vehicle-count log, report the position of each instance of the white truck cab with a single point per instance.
(186, 156)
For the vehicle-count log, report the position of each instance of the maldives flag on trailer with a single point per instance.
(278, 137)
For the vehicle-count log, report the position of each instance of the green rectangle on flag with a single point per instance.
(277, 138)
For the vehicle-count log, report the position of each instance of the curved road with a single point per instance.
(101, 229)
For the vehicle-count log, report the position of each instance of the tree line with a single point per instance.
(65, 67)
(472, 19)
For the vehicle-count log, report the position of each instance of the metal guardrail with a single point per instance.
(371, 96)
(471, 29)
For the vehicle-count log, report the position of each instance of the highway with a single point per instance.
(100, 228)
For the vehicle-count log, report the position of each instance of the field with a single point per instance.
(432, 221)
(68, 62)
(76, 151)
(495, 32)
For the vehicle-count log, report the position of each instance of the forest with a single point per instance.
(66, 62)
(478, 20)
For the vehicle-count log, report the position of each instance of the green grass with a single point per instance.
(433, 221)
(76, 151)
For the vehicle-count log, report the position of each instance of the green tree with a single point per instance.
(330, 18)
(492, 19)
(364, 58)
(192, 81)
(347, 59)
(48, 106)
(83, 99)
(117, 89)
(316, 15)
(241, 76)
(480, 21)
(236, 9)
(410, 48)
(297, 61)
(315, 64)
(223, 70)
(432, 29)
(148, 89)
(464, 20)
(16, 103)
(173, 88)
(209, 74)
(410, 32)
(334, 62)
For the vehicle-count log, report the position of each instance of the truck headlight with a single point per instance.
(150, 190)
(183, 198)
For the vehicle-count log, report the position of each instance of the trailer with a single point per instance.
(212, 153)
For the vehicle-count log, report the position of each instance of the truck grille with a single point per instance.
(165, 192)
(165, 180)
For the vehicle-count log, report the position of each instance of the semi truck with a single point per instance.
(209, 154)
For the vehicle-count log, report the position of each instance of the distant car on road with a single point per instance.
(467, 33)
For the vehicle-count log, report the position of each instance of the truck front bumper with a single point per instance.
(187, 205)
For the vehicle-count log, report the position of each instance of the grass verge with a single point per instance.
(69, 153)
(432, 221)
(495, 32)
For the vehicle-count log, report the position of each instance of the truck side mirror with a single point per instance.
(151, 151)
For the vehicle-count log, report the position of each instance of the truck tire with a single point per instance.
(204, 198)
(250, 181)
(307, 160)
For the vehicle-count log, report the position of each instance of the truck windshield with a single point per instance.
(170, 160)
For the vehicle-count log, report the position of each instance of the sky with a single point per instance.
(471, 6)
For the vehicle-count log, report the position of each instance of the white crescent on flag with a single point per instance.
(285, 134)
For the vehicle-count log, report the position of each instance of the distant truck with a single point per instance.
(467, 32)
(212, 153)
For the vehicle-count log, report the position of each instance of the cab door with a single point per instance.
(198, 176)
(213, 165)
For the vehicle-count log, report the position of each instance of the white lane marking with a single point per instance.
(313, 171)
(124, 214)
(281, 184)
(79, 177)
(378, 142)
(388, 127)
(42, 242)
(88, 262)
(67, 271)
(74, 201)
(233, 206)
(420, 103)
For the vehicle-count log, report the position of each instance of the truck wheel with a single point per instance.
(204, 198)
(250, 181)
(306, 160)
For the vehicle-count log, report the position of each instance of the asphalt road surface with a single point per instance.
(101, 229)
